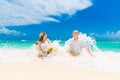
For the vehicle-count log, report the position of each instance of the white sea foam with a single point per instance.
(102, 61)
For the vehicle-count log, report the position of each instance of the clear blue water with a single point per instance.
(109, 45)
(103, 45)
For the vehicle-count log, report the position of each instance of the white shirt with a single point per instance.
(76, 45)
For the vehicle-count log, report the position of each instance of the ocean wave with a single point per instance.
(102, 60)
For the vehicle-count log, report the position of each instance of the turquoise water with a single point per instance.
(103, 45)
(109, 45)
(17, 43)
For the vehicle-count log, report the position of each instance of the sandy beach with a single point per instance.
(46, 71)
(59, 39)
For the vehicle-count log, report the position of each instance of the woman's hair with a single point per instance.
(42, 34)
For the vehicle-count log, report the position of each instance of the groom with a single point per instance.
(75, 44)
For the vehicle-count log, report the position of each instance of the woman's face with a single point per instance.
(45, 36)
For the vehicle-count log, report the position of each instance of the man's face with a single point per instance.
(75, 35)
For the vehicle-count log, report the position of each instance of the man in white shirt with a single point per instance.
(76, 44)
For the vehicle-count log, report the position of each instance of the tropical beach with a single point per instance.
(59, 40)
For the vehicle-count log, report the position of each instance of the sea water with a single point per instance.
(26, 44)
(106, 54)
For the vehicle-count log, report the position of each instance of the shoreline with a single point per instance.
(38, 70)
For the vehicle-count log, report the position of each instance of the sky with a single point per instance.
(99, 19)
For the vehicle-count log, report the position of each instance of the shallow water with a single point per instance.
(26, 44)
(106, 54)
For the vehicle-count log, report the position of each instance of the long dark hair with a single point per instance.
(42, 34)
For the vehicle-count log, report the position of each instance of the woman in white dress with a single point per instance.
(43, 45)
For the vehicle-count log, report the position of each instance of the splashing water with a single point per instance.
(102, 61)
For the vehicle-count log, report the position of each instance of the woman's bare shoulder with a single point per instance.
(39, 42)
(48, 40)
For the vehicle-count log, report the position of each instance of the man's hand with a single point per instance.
(89, 51)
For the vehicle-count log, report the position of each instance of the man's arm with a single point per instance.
(89, 51)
